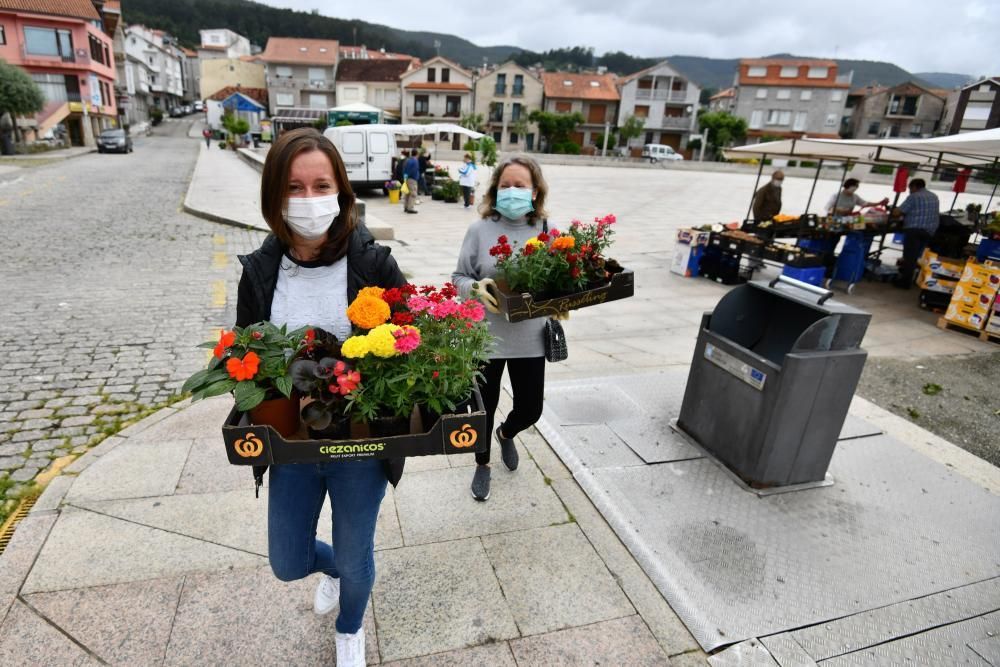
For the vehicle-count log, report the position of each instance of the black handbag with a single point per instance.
(555, 341)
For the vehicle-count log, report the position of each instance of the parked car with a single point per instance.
(656, 152)
(198, 106)
(114, 141)
(175, 112)
(186, 109)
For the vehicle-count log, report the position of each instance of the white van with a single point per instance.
(367, 151)
(656, 152)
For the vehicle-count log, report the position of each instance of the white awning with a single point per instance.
(411, 129)
(969, 149)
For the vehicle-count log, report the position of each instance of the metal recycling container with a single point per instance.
(773, 374)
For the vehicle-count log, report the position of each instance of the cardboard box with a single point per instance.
(981, 275)
(965, 317)
(687, 259)
(255, 444)
(928, 280)
(518, 307)
(945, 267)
(692, 236)
(979, 300)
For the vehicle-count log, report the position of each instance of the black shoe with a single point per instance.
(481, 483)
(414, 212)
(508, 451)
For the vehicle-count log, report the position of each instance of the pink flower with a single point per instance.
(419, 304)
(472, 310)
(439, 311)
(554, 233)
(339, 368)
(347, 383)
(407, 339)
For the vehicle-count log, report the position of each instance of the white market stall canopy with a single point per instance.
(969, 149)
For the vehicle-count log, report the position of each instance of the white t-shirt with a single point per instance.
(843, 200)
(468, 176)
(311, 295)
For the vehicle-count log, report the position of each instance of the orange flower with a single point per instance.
(226, 339)
(376, 292)
(563, 243)
(245, 368)
(369, 311)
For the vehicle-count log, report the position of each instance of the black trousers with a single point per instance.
(527, 379)
(914, 242)
(467, 194)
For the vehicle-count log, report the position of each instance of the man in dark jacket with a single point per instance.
(767, 200)
(411, 172)
(424, 161)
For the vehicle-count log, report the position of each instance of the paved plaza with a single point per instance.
(150, 548)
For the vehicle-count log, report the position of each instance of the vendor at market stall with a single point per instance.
(845, 201)
(767, 200)
(921, 213)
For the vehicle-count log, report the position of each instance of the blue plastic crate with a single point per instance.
(988, 249)
(813, 275)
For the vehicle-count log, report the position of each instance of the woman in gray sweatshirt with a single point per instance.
(513, 207)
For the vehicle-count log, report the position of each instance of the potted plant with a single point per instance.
(393, 187)
(437, 194)
(253, 363)
(416, 347)
(450, 191)
(322, 376)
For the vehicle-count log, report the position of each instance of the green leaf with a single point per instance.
(284, 385)
(196, 380)
(249, 397)
(218, 388)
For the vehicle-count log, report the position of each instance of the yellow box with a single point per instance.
(966, 318)
(946, 267)
(933, 282)
(981, 275)
(979, 299)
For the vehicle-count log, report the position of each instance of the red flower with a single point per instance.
(435, 375)
(257, 335)
(339, 368)
(502, 239)
(243, 369)
(346, 383)
(393, 296)
(402, 318)
(427, 290)
(571, 258)
(543, 237)
(554, 233)
(226, 339)
(408, 290)
(574, 273)
(528, 250)
(449, 291)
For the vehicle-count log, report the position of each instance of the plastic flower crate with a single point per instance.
(518, 307)
(255, 444)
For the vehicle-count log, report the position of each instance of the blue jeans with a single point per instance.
(295, 497)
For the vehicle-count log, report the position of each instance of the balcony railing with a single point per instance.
(664, 95)
(517, 91)
(424, 113)
(499, 90)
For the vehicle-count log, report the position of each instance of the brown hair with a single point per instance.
(274, 189)
(488, 207)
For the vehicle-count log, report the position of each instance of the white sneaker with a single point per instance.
(351, 649)
(327, 595)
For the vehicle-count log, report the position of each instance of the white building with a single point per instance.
(437, 91)
(153, 68)
(666, 100)
(222, 43)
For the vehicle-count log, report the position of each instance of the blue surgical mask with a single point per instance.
(514, 203)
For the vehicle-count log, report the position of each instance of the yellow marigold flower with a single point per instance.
(382, 342)
(563, 243)
(372, 291)
(355, 347)
(535, 242)
(368, 311)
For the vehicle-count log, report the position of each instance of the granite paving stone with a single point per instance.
(437, 597)
(88, 549)
(552, 579)
(124, 471)
(27, 639)
(17, 559)
(495, 654)
(123, 624)
(437, 505)
(623, 641)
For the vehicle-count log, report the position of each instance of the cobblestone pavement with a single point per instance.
(107, 286)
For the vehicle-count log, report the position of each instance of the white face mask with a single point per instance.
(310, 217)
(777, 183)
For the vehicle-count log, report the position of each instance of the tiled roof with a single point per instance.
(190, 53)
(83, 9)
(258, 94)
(728, 92)
(382, 69)
(430, 85)
(788, 62)
(301, 51)
(113, 6)
(580, 86)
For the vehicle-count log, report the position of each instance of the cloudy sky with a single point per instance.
(960, 36)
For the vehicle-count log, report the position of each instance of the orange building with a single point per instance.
(66, 47)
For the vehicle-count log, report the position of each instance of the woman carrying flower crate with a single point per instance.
(513, 209)
(313, 264)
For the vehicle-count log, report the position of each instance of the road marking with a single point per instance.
(219, 293)
(219, 239)
(219, 260)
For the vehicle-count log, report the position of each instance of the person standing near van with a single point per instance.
(411, 172)
(467, 179)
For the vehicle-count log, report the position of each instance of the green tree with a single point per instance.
(555, 128)
(488, 147)
(631, 129)
(473, 121)
(19, 96)
(722, 128)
